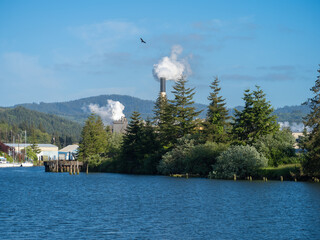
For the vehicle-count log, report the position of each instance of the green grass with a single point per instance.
(289, 172)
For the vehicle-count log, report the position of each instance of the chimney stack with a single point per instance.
(162, 87)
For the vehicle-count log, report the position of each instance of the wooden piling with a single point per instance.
(73, 167)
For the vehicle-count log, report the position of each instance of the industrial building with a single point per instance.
(68, 152)
(48, 151)
(120, 126)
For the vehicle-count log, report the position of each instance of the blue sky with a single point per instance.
(52, 51)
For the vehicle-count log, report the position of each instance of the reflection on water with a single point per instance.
(35, 204)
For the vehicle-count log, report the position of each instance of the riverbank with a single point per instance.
(287, 172)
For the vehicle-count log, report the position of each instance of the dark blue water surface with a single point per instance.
(39, 205)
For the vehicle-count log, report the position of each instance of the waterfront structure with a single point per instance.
(68, 152)
(48, 151)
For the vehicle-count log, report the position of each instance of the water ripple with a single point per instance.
(39, 205)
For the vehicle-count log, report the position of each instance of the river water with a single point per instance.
(39, 205)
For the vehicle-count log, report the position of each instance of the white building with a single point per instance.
(69, 152)
(48, 151)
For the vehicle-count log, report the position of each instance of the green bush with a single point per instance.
(288, 172)
(202, 157)
(277, 148)
(189, 158)
(174, 160)
(31, 154)
(240, 160)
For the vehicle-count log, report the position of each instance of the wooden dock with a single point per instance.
(73, 167)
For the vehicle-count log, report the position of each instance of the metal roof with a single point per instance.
(28, 144)
(69, 148)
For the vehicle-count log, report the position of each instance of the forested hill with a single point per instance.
(292, 113)
(20, 119)
(77, 110)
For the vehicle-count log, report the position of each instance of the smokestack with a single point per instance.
(163, 86)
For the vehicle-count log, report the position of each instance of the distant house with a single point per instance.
(68, 153)
(297, 136)
(48, 151)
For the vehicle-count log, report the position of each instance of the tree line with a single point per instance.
(40, 127)
(175, 140)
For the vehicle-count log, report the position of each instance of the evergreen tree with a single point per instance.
(184, 112)
(150, 149)
(164, 121)
(216, 123)
(255, 120)
(311, 141)
(138, 147)
(131, 145)
(93, 140)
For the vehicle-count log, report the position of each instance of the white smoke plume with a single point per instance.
(171, 68)
(111, 112)
(294, 126)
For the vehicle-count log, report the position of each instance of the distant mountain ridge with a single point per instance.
(76, 109)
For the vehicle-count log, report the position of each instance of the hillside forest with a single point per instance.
(61, 123)
(20, 124)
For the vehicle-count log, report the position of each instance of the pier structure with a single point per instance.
(73, 167)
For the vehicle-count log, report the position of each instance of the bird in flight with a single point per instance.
(142, 41)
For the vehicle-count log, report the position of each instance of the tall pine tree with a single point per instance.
(164, 121)
(216, 124)
(255, 120)
(184, 111)
(139, 142)
(131, 144)
(311, 142)
(93, 139)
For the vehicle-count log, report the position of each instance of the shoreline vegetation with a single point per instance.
(177, 143)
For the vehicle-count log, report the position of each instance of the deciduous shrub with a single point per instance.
(202, 157)
(174, 161)
(189, 158)
(240, 160)
(277, 148)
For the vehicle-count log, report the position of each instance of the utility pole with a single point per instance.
(25, 145)
(14, 149)
(19, 155)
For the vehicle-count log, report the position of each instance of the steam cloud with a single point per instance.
(171, 68)
(294, 126)
(111, 112)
